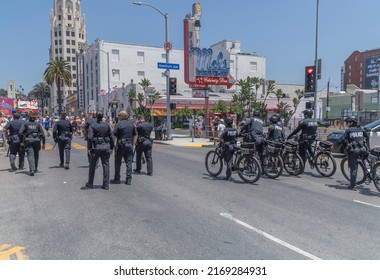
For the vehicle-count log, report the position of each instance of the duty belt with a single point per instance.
(124, 141)
(101, 140)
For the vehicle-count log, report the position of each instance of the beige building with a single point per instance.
(68, 37)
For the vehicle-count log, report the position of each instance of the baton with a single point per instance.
(8, 151)
(54, 145)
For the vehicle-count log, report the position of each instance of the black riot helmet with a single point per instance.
(308, 113)
(228, 121)
(99, 115)
(256, 113)
(351, 121)
(273, 119)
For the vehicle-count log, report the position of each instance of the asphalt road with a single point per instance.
(182, 213)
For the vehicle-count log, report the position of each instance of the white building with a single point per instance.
(123, 66)
(68, 36)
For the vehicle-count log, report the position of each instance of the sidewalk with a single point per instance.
(185, 141)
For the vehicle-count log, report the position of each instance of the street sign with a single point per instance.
(168, 46)
(172, 66)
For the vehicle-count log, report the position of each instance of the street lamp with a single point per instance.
(316, 65)
(109, 87)
(167, 72)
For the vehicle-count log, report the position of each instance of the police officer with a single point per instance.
(32, 134)
(62, 133)
(255, 127)
(308, 128)
(87, 124)
(228, 138)
(357, 142)
(12, 131)
(125, 133)
(99, 145)
(275, 131)
(144, 145)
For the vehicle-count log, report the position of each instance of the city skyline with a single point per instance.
(282, 32)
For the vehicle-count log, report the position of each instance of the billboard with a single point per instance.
(371, 73)
(6, 106)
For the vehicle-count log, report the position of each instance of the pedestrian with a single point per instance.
(215, 123)
(125, 133)
(228, 139)
(144, 145)
(12, 134)
(221, 127)
(62, 134)
(47, 125)
(357, 145)
(31, 136)
(99, 145)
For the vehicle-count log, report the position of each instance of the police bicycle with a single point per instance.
(321, 158)
(293, 163)
(244, 163)
(272, 163)
(368, 168)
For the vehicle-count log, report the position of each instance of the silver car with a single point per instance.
(373, 130)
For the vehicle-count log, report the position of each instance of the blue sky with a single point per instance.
(281, 30)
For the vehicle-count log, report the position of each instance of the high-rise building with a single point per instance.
(68, 39)
(362, 69)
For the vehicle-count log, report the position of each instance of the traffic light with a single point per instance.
(309, 79)
(309, 105)
(172, 85)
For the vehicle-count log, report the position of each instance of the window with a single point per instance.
(253, 65)
(68, 58)
(74, 76)
(141, 74)
(60, 50)
(56, 51)
(140, 57)
(74, 68)
(67, 33)
(72, 50)
(69, 17)
(55, 34)
(59, 17)
(73, 42)
(60, 41)
(72, 34)
(115, 74)
(115, 56)
(67, 42)
(73, 59)
(68, 50)
(56, 42)
(232, 64)
(59, 33)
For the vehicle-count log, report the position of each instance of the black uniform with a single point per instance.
(62, 133)
(144, 144)
(275, 132)
(229, 136)
(255, 127)
(87, 125)
(32, 134)
(124, 132)
(15, 143)
(357, 140)
(99, 143)
(308, 128)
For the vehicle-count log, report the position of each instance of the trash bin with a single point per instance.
(158, 134)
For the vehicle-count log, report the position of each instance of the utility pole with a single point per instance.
(327, 101)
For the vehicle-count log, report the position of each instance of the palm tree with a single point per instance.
(220, 107)
(41, 91)
(279, 94)
(131, 97)
(270, 89)
(152, 99)
(257, 83)
(145, 83)
(58, 72)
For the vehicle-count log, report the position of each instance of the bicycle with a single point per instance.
(272, 163)
(247, 167)
(368, 168)
(321, 157)
(293, 163)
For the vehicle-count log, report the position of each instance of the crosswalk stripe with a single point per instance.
(78, 146)
(5, 255)
(4, 246)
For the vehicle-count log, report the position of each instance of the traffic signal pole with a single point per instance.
(316, 66)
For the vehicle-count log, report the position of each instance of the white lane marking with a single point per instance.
(275, 239)
(374, 205)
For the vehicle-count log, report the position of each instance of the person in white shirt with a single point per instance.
(221, 127)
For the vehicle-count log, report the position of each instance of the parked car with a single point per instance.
(336, 137)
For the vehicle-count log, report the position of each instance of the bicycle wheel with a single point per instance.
(214, 163)
(249, 169)
(345, 168)
(293, 163)
(376, 176)
(325, 164)
(273, 166)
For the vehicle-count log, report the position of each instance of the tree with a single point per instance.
(185, 112)
(270, 89)
(220, 107)
(257, 83)
(40, 91)
(58, 72)
(145, 83)
(279, 94)
(3, 93)
(152, 99)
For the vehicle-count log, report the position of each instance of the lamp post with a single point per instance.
(378, 90)
(167, 72)
(109, 87)
(316, 65)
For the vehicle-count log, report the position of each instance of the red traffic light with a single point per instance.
(310, 70)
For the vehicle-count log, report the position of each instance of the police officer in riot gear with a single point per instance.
(144, 145)
(31, 136)
(126, 135)
(254, 127)
(308, 128)
(228, 138)
(275, 131)
(99, 145)
(87, 127)
(62, 133)
(12, 131)
(357, 145)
